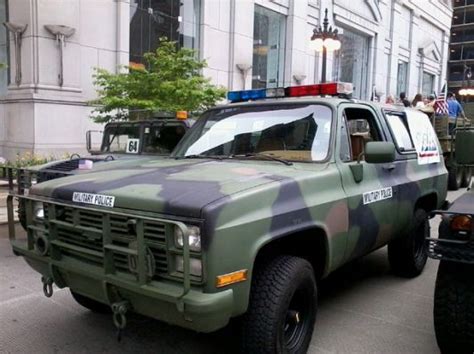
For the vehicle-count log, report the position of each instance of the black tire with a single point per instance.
(454, 178)
(88, 303)
(408, 254)
(282, 308)
(466, 177)
(454, 307)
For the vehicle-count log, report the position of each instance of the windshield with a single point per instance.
(291, 132)
(118, 137)
(157, 138)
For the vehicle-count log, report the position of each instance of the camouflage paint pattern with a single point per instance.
(243, 205)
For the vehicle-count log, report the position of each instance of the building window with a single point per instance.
(353, 62)
(455, 53)
(152, 19)
(428, 84)
(4, 57)
(268, 48)
(455, 73)
(402, 77)
(467, 52)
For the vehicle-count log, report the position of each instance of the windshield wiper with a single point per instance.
(268, 157)
(213, 157)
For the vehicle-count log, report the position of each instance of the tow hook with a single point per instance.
(47, 286)
(119, 310)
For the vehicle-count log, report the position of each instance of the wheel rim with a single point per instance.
(298, 317)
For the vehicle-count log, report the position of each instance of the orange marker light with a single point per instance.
(461, 223)
(231, 278)
(182, 115)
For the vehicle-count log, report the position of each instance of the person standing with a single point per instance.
(403, 99)
(429, 106)
(454, 111)
(418, 101)
(390, 99)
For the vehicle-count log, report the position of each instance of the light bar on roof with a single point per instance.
(326, 89)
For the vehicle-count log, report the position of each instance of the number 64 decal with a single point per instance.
(133, 146)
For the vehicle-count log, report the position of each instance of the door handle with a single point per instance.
(389, 167)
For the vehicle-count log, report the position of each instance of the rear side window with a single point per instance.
(398, 126)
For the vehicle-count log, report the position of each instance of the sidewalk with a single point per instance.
(3, 203)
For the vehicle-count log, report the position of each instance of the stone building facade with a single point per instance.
(388, 46)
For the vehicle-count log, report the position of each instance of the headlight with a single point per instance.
(38, 210)
(194, 237)
(195, 266)
(33, 179)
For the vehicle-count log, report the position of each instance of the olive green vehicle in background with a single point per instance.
(459, 176)
(454, 247)
(119, 140)
(258, 202)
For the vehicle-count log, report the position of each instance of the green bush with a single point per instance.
(170, 80)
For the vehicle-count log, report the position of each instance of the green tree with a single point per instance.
(170, 81)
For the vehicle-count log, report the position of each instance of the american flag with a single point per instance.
(441, 106)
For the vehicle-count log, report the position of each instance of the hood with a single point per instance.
(178, 187)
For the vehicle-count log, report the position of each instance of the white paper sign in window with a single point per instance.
(424, 137)
(132, 146)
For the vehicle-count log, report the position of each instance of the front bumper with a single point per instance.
(451, 250)
(176, 303)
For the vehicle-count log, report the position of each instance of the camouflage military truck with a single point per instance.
(157, 136)
(120, 140)
(258, 202)
(454, 247)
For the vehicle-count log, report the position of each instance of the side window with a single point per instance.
(161, 139)
(401, 135)
(345, 151)
(362, 128)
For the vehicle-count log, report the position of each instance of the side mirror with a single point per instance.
(89, 141)
(379, 152)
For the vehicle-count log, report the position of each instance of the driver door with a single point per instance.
(372, 201)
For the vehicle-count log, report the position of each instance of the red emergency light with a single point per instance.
(326, 89)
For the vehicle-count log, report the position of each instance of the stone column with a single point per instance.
(40, 115)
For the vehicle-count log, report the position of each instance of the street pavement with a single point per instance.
(363, 308)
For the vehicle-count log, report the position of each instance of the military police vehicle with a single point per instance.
(454, 247)
(262, 198)
(120, 140)
(157, 136)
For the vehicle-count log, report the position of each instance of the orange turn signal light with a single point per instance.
(182, 115)
(461, 223)
(231, 278)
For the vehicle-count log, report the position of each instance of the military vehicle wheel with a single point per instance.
(88, 303)
(466, 177)
(454, 307)
(454, 178)
(408, 254)
(282, 308)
